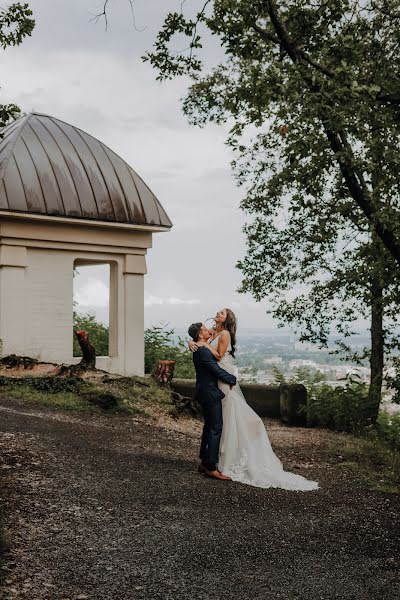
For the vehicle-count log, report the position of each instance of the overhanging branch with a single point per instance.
(340, 146)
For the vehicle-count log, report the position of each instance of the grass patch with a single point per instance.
(64, 400)
(131, 395)
(375, 463)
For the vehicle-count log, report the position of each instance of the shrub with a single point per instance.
(50, 384)
(344, 408)
(159, 344)
(388, 430)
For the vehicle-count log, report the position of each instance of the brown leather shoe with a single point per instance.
(216, 475)
(201, 469)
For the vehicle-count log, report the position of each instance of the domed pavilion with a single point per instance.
(67, 200)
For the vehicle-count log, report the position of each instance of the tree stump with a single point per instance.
(88, 351)
(164, 371)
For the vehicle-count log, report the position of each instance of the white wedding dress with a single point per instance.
(245, 450)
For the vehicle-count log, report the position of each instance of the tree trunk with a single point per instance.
(88, 351)
(164, 371)
(377, 347)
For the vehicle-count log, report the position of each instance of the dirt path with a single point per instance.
(111, 508)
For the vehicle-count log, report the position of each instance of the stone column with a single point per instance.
(13, 262)
(133, 318)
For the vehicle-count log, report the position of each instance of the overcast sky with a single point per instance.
(73, 69)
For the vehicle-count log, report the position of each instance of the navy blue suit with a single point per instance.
(208, 372)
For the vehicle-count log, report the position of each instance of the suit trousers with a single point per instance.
(212, 430)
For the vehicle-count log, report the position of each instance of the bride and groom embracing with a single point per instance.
(234, 444)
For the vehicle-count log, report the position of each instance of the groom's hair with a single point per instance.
(194, 331)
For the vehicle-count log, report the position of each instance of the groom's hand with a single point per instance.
(192, 346)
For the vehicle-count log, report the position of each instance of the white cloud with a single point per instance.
(157, 301)
(93, 294)
(96, 80)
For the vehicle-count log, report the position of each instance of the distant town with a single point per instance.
(261, 354)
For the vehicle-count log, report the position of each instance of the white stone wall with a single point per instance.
(48, 306)
(36, 295)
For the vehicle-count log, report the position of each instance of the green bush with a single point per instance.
(344, 408)
(387, 430)
(159, 344)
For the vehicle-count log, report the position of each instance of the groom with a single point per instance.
(208, 372)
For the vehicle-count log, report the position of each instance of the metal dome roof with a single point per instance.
(48, 167)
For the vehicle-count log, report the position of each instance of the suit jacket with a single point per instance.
(208, 372)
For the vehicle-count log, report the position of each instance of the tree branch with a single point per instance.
(341, 147)
(359, 191)
(200, 15)
(297, 54)
(103, 15)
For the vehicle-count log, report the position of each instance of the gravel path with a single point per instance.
(112, 508)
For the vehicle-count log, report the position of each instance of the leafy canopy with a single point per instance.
(311, 93)
(317, 82)
(16, 23)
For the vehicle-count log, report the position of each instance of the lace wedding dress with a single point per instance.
(246, 454)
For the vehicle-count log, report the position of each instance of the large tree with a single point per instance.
(317, 84)
(322, 275)
(329, 65)
(16, 23)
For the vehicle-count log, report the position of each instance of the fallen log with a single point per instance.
(12, 360)
(185, 406)
(104, 401)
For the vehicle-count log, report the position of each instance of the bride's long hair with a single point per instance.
(230, 324)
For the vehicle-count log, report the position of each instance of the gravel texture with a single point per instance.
(112, 508)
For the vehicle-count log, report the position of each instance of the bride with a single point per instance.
(246, 454)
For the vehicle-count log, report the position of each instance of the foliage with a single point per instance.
(52, 385)
(16, 23)
(388, 430)
(321, 83)
(342, 408)
(98, 333)
(310, 378)
(312, 94)
(159, 341)
(160, 344)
